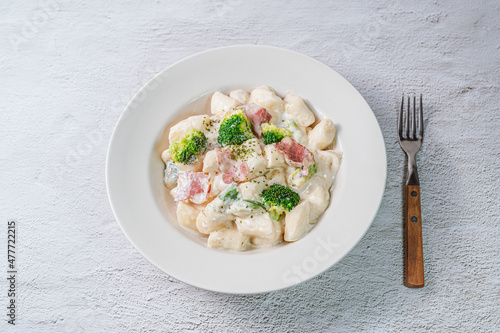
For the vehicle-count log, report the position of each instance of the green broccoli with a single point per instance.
(185, 150)
(235, 129)
(295, 179)
(278, 199)
(252, 204)
(231, 193)
(274, 134)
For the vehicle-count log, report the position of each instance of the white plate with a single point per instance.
(134, 170)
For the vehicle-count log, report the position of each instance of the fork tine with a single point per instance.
(400, 117)
(408, 119)
(413, 131)
(421, 120)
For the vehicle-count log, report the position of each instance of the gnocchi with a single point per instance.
(255, 170)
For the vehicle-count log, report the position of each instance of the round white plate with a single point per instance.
(139, 200)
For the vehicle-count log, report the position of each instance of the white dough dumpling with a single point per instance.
(296, 109)
(267, 98)
(276, 176)
(178, 131)
(240, 95)
(210, 162)
(216, 213)
(259, 225)
(322, 135)
(212, 130)
(204, 227)
(297, 221)
(329, 163)
(254, 159)
(251, 190)
(274, 157)
(276, 238)
(318, 197)
(221, 103)
(186, 215)
(218, 185)
(228, 238)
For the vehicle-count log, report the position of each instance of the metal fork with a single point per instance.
(411, 134)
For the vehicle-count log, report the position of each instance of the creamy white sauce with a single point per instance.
(236, 224)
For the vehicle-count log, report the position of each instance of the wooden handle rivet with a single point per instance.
(414, 219)
(414, 193)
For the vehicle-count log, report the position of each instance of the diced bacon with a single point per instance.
(224, 159)
(193, 186)
(296, 155)
(257, 116)
(237, 174)
(233, 171)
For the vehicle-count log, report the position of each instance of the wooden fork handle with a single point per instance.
(414, 257)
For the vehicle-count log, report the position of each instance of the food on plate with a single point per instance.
(273, 134)
(234, 129)
(258, 171)
(277, 199)
(187, 149)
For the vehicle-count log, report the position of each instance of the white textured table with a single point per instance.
(69, 68)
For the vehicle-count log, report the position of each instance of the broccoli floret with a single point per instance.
(278, 199)
(230, 194)
(274, 134)
(235, 129)
(185, 150)
(296, 179)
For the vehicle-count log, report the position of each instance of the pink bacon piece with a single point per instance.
(233, 171)
(237, 174)
(194, 186)
(257, 116)
(296, 155)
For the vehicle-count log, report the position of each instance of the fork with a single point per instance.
(411, 134)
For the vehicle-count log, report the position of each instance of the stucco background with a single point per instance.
(67, 70)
